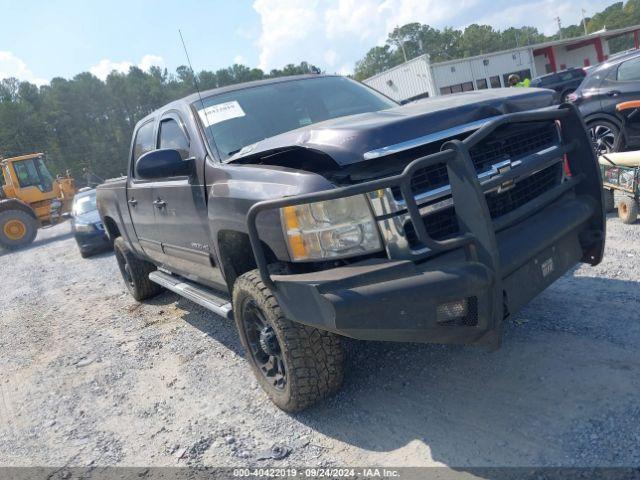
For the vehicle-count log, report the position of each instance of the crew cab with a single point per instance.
(312, 207)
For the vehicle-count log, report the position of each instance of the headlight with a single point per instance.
(331, 229)
(84, 227)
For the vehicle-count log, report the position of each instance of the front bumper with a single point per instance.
(398, 300)
(92, 241)
(497, 265)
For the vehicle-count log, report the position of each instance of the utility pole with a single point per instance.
(557, 19)
(584, 21)
(396, 38)
(400, 43)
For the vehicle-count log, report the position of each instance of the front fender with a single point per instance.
(602, 116)
(233, 189)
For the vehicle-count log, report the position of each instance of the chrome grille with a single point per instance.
(442, 224)
(514, 141)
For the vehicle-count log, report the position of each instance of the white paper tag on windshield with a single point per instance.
(220, 112)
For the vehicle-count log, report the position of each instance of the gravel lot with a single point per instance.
(90, 377)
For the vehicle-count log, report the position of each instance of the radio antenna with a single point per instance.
(195, 78)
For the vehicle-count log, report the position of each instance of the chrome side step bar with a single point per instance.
(196, 293)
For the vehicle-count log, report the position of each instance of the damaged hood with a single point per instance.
(347, 139)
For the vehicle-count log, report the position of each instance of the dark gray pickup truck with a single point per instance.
(310, 208)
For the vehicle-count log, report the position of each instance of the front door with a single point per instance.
(181, 212)
(623, 85)
(140, 196)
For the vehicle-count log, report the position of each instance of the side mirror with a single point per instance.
(162, 163)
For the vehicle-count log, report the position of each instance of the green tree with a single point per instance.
(84, 122)
(375, 61)
(478, 39)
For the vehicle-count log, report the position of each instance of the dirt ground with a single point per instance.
(89, 377)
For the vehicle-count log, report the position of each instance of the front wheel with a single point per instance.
(605, 136)
(17, 229)
(296, 365)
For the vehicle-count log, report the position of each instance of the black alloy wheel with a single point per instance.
(604, 137)
(264, 347)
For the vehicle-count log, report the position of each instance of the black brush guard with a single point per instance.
(319, 298)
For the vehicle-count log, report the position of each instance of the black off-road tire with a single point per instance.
(313, 359)
(609, 200)
(25, 221)
(85, 254)
(628, 210)
(135, 272)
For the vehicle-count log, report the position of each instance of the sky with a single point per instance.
(41, 40)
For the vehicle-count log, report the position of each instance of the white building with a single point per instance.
(418, 78)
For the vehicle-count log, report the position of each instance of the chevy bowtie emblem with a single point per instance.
(501, 168)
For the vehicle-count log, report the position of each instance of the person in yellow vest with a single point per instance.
(514, 81)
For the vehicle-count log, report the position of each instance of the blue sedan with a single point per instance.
(86, 225)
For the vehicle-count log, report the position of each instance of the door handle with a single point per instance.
(613, 93)
(159, 203)
(133, 202)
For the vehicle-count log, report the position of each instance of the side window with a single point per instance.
(172, 136)
(593, 80)
(27, 173)
(144, 141)
(629, 70)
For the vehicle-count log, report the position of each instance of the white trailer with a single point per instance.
(483, 71)
(418, 78)
(408, 81)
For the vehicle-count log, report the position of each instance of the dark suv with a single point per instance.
(614, 81)
(564, 82)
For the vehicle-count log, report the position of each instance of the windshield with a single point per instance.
(84, 204)
(240, 118)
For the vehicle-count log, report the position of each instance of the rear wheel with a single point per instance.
(135, 272)
(295, 364)
(17, 228)
(628, 210)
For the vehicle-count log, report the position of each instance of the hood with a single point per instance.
(346, 139)
(90, 217)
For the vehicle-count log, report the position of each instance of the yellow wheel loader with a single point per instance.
(30, 197)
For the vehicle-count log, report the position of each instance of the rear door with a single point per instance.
(140, 195)
(181, 212)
